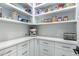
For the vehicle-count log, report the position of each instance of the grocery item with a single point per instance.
(28, 10)
(60, 5)
(15, 15)
(65, 18)
(69, 4)
(59, 18)
(54, 19)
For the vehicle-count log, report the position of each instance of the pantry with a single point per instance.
(39, 29)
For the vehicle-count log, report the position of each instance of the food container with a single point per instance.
(69, 4)
(15, 15)
(65, 18)
(60, 5)
(59, 18)
(54, 19)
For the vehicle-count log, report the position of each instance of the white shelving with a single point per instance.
(14, 21)
(30, 5)
(18, 9)
(59, 22)
(56, 11)
(40, 5)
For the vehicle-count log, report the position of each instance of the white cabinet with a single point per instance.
(62, 49)
(46, 48)
(23, 48)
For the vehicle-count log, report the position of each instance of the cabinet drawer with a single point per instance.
(45, 50)
(65, 46)
(9, 50)
(46, 42)
(11, 54)
(61, 51)
(23, 45)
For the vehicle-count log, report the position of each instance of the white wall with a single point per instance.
(56, 30)
(10, 31)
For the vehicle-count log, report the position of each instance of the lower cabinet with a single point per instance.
(21, 49)
(43, 47)
(51, 48)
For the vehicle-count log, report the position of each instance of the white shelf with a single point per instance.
(43, 5)
(29, 4)
(59, 22)
(18, 9)
(14, 21)
(40, 5)
(56, 11)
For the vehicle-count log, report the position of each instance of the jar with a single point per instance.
(65, 18)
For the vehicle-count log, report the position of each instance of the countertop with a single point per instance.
(58, 40)
(9, 43)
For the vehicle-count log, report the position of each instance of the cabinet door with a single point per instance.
(32, 47)
(45, 42)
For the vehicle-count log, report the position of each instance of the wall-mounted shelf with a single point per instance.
(40, 5)
(56, 11)
(29, 4)
(14, 21)
(18, 9)
(43, 5)
(59, 22)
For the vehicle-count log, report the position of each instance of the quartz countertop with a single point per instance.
(9, 43)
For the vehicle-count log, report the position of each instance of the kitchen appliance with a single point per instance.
(70, 36)
(33, 31)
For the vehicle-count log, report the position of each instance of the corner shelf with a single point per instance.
(14, 21)
(56, 11)
(18, 9)
(40, 5)
(59, 22)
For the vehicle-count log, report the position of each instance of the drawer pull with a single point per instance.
(45, 43)
(63, 55)
(24, 45)
(45, 50)
(24, 53)
(66, 47)
(45, 54)
(7, 52)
